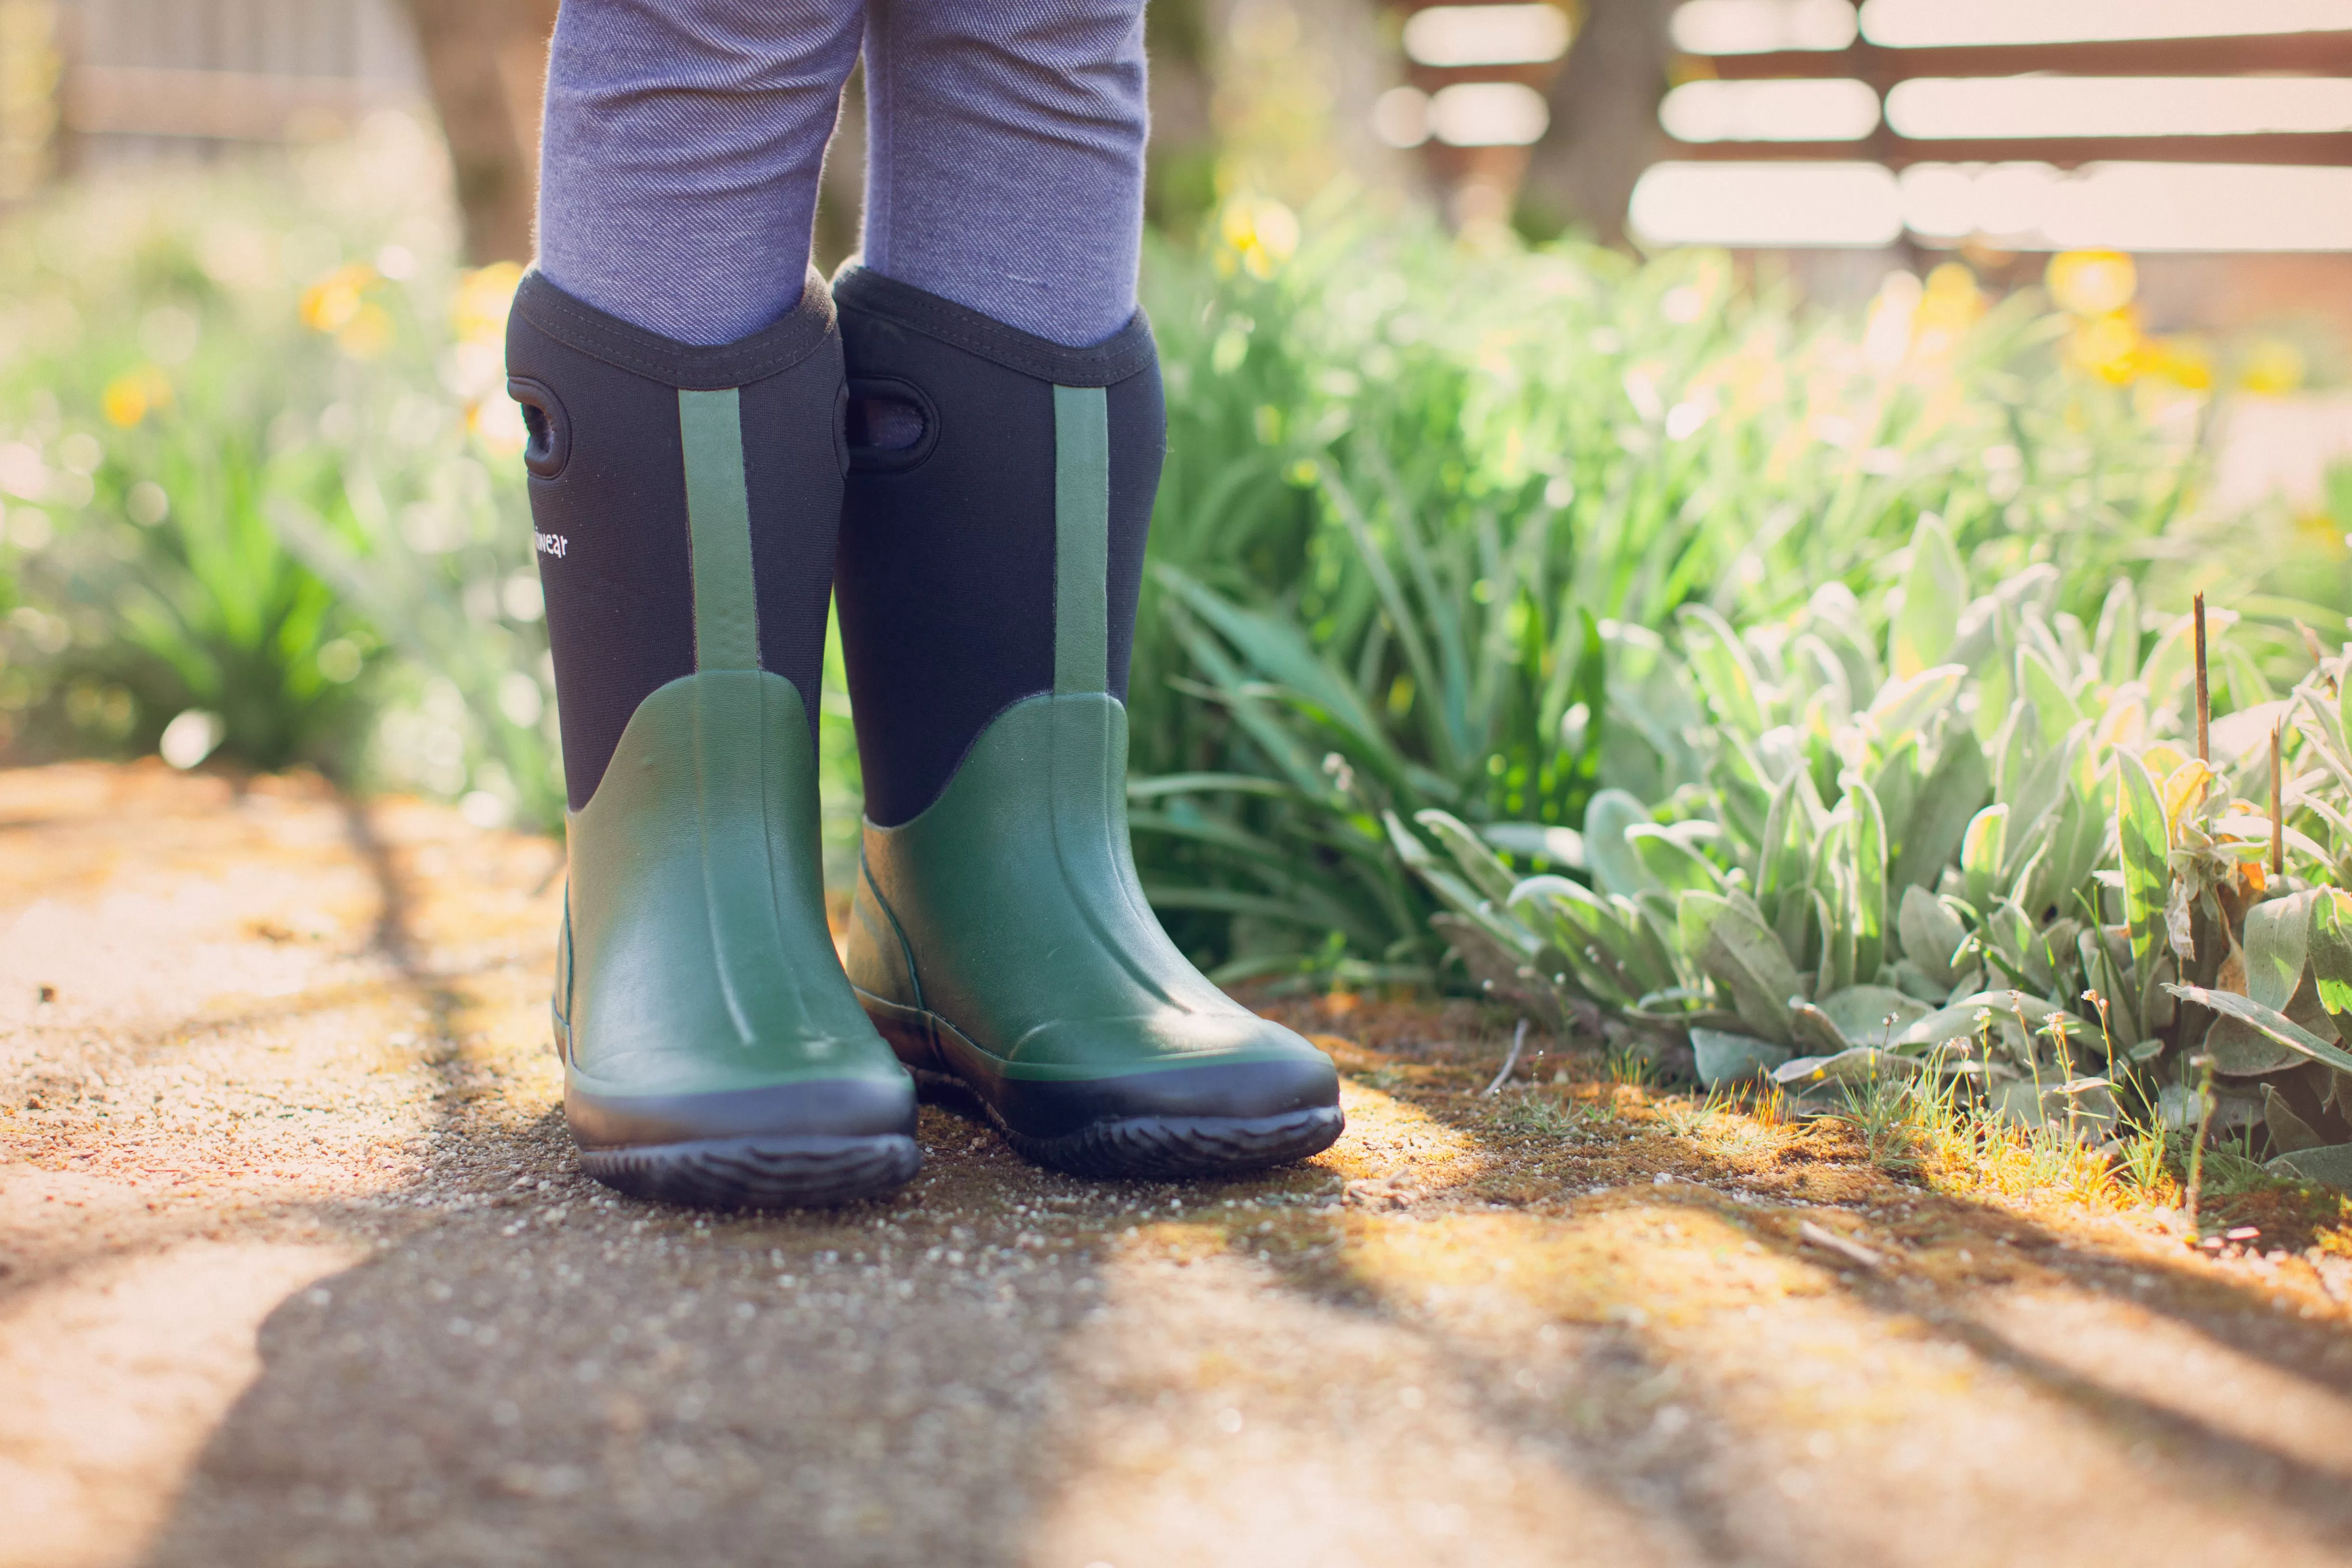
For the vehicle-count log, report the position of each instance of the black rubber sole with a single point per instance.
(755, 1172)
(1157, 1147)
(1164, 1146)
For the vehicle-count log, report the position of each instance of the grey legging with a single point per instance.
(1005, 170)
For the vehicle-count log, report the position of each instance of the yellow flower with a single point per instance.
(2272, 365)
(330, 304)
(342, 305)
(478, 310)
(2109, 346)
(2320, 531)
(1948, 307)
(125, 401)
(2180, 361)
(135, 394)
(2092, 282)
(1260, 233)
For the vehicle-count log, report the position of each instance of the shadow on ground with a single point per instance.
(1555, 1326)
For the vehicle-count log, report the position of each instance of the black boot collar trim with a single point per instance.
(771, 351)
(1106, 363)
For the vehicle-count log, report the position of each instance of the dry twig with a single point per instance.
(1832, 1241)
(1519, 1042)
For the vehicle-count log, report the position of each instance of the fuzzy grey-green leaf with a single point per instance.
(1862, 1013)
(1724, 1058)
(1671, 861)
(2289, 1133)
(1614, 865)
(1739, 951)
(1934, 592)
(2270, 1021)
(1980, 854)
(1856, 1066)
(1487, 873)
(2146, 869)
(1560, 846)
(1931, 933)
(2277, 940)
(1939, 817)
(2329, 1166)
(1811, 1029)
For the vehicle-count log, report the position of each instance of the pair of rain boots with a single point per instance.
(977, 498)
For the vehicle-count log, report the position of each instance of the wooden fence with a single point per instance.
(1883, 69)
(147, 78)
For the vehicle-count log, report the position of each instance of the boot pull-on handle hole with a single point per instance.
(548, 429)
(890, 426)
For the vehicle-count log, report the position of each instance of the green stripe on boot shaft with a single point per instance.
(1001, 937)
(714, 1052)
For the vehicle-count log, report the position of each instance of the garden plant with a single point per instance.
(2011, 859)
(1429, 517)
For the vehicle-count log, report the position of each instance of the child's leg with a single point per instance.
(1004, 152)
(1004, 453)
(681, 374)
(679, 171)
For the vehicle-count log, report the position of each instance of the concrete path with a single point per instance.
(295, 1270)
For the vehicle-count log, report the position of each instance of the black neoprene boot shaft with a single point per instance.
(991, 550)
(685, 502)
(946, 578)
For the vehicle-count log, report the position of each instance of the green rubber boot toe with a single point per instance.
(713, 1052)
(1001, 940)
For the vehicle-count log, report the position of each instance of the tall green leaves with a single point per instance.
(1935, 591)
(2144, 847)
(1867, 848)
(1946, 803)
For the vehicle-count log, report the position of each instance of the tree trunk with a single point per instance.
(1604, 120)
(487, 63)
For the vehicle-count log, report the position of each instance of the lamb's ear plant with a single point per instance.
(1985, 863)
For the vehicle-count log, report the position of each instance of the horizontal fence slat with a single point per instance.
(2298, 53)
(2305, 150)
(146, 100)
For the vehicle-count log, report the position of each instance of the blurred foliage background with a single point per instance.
(262, 501)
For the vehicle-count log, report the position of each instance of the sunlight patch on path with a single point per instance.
(1226, 1420)
(114, 1382)
(1849, 1420)
(217, 1081)
(1399, 1146)
(2180, 1368)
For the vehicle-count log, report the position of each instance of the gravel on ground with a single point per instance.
(296, 1269)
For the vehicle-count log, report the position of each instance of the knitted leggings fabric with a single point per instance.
(1004, 168)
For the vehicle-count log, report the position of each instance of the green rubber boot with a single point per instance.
(991, 554)
(685, 502)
